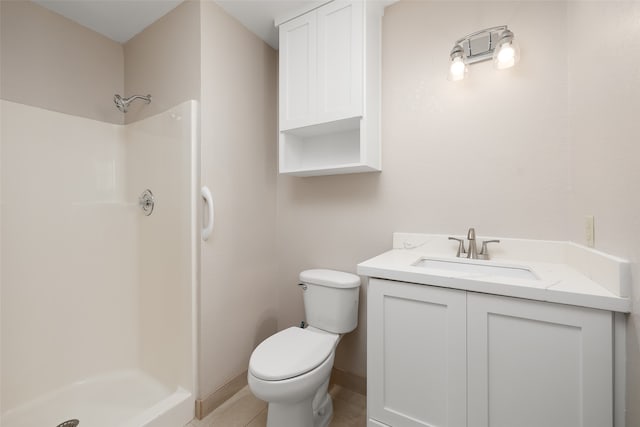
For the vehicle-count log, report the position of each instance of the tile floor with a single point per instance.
(244, 410)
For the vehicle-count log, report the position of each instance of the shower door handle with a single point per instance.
(208, 228)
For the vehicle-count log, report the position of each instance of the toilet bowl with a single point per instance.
(300, 379)
(290, 370)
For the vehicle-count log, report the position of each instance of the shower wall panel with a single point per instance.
(69, 243)
(159, 157)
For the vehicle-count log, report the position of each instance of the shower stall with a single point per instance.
(99, 283)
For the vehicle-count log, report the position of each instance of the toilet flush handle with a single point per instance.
(304, 287)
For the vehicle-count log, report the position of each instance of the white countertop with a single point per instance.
(566, 273)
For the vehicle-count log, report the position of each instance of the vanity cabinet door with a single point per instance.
(416, 352)
(534, 364)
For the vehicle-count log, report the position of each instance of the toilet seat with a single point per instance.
(291, 353)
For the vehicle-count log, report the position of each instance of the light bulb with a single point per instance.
(507, 52)
(506, 56)
(457, 69)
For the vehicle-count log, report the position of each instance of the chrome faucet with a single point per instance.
(472, 252)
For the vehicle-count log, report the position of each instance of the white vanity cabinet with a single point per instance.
(533, 363)
(329, 90)
(446, 357)
(416, 355)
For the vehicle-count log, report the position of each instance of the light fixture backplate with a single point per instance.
(480, 47)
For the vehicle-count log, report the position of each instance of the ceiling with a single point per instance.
(120, 20)
(259, 15)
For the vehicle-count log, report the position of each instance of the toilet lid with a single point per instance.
(290, 353)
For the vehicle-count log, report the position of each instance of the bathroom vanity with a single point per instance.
(532, 337)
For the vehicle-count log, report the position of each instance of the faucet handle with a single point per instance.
(484, 252)
(461, 249)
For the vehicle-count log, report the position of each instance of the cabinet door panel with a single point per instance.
(416, 368)
(340, 60)
(298, 75)
(535, 364)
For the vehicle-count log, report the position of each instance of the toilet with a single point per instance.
(290, 370)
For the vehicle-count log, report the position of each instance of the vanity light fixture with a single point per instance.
(495, 43)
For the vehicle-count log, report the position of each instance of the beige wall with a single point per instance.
(604, 89)
(239, 116)
(51, 62)
(164, 61)
(488, 153)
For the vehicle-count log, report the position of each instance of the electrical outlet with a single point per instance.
(589, 231)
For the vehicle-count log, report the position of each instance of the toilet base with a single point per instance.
(299, 414)
(322, 406)
(315, 411)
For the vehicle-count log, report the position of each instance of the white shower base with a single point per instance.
(118, 399)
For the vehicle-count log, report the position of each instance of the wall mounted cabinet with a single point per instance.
(329, 87)
(448, 357)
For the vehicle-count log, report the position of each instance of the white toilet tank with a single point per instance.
(331, 299)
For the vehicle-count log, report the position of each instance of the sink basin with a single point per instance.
(477, 268)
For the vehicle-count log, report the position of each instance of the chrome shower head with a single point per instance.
(122, 104)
